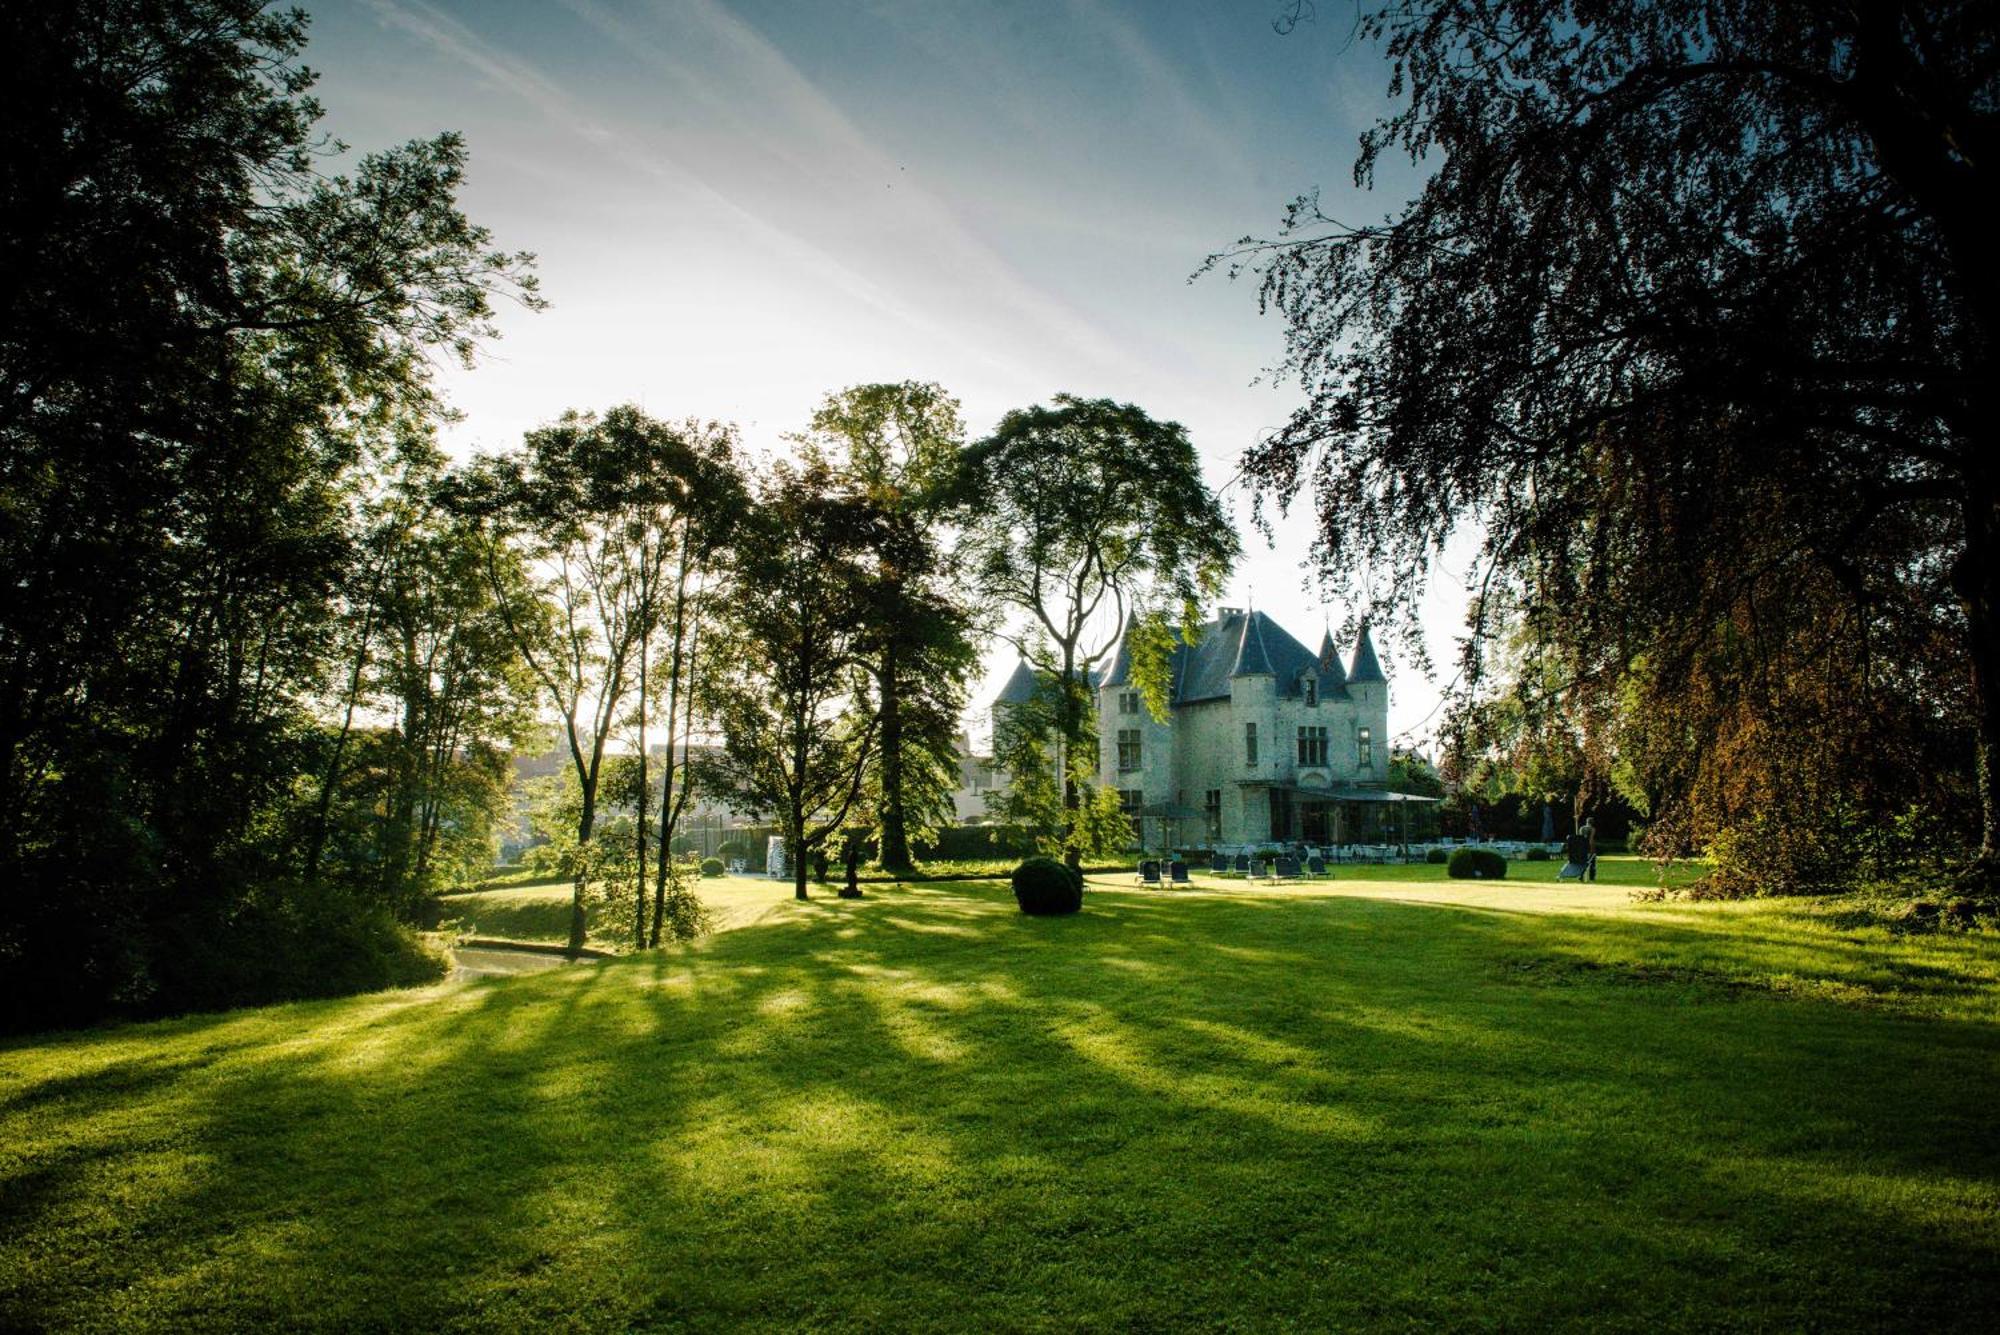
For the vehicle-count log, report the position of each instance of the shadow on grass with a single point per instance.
(924, 1110)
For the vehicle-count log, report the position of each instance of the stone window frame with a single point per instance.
(1315, 747)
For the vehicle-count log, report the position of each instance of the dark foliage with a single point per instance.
(712, 867)
(1481, 864)
(1437, 856)
(966, 843)
(207, 339)
(1043, 886)
(1698, 313)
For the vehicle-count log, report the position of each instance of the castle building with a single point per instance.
(1265, 741)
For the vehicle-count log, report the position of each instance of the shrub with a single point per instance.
(970, 843)
(1438, 856)
(1538, 855)
(1476, 864)
(711, 866)
(1045, 886)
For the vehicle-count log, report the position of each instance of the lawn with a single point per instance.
(1388, 1101)
(540, 914)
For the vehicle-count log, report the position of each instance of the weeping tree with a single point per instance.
(1087, 519)
(1695, 315)
(900, 444)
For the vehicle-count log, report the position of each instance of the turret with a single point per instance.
(1019, 690)
(1370, 692)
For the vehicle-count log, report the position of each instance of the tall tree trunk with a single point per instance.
(679, 667)
(1071, 731)
(1977, 582)
(585, 824)
(639, 892)
(895, 850)
(408, 761)
(795, 840)
(322, 811)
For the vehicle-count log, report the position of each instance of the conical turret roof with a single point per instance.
(1121, 666)
(1252, 658)
(1020, 687)
(1366, 667)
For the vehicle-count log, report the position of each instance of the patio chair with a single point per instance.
(1316, 865)
(1288, 869)
(1178, 872)
(1243, 863)
(1221, 863)
(1149, 872)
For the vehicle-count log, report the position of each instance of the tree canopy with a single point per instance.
(1088, 520)
(208, 336)
(791, 697)
(1695, 316)
(900, 444)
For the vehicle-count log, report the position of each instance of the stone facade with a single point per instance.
(1264, 740)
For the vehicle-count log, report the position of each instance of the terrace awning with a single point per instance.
(1341, 793)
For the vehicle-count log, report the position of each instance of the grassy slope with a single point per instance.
(1394, 1100)
(541, 913)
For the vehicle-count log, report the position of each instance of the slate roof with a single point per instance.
(1366, 667)
(1252, 659)
(1329, 662)
(1021, 686)
(1240, 644)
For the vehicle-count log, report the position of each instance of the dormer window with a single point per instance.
(1309, 686)
(1364, 749)
(1128, 702)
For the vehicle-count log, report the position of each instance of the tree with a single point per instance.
(1088, 519)
(207, 336)
(452, 676)
(791, 694)
(1697, 313)
(900, 444)
(689, 519)
(1026, 745)
(570, 507)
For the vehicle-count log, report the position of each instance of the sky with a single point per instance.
(738, 208)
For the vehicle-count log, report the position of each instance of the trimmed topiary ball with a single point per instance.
(1046, 886)
(711, 866)
(1438, 856)
(1476, 864)
(1538, 855)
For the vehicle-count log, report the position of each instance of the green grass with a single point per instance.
(540, 914)
(1389, 1101)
